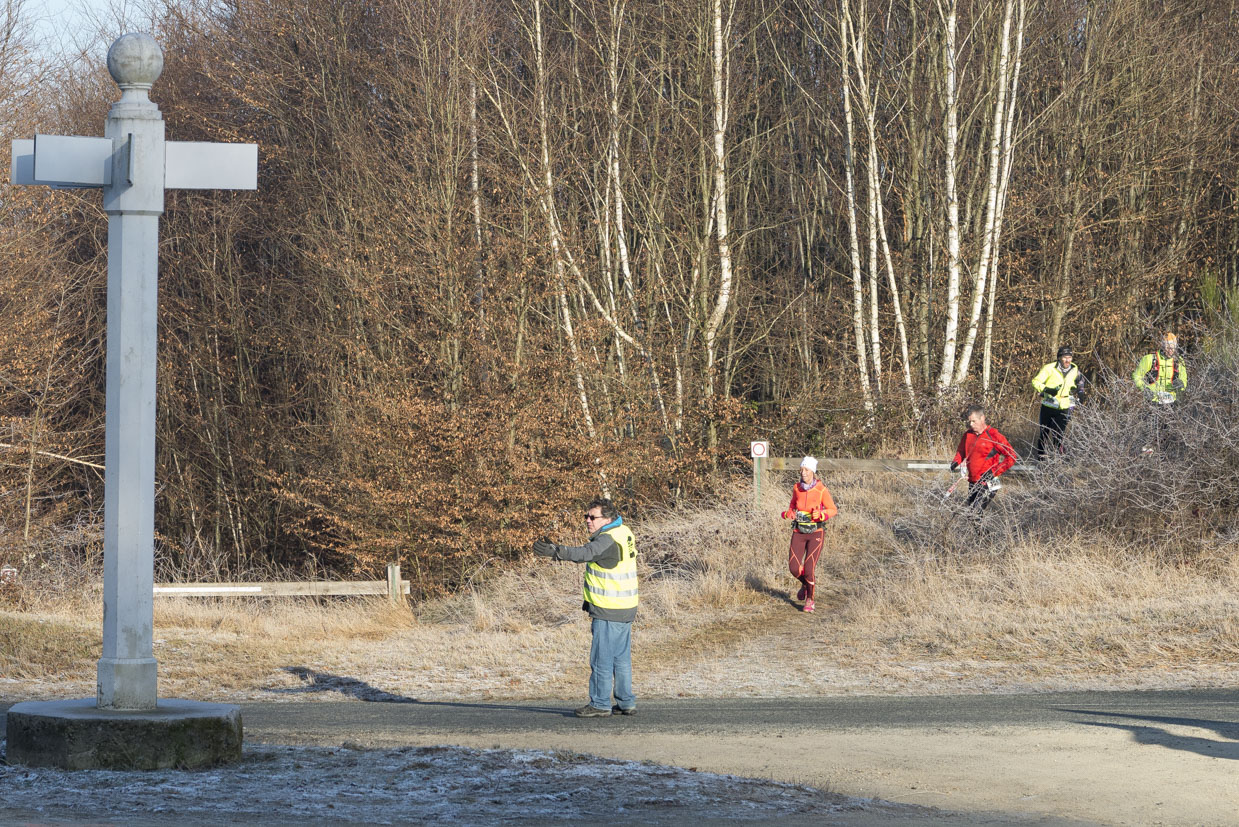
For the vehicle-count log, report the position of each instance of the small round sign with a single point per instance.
(759, 450)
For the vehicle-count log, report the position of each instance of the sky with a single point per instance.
(68, 26)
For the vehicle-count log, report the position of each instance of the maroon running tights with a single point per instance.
(803, 556)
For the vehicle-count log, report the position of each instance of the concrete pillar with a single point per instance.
(133, 202)
(126, 726)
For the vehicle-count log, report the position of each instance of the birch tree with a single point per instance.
(1008, 144)
(858, 297)
(720, 87)
(950, 128)
(877, 212)
(546, 199)
(1000, 149)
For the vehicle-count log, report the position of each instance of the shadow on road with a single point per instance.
(1161, 737)
(362, 691)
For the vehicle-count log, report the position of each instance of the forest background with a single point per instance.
(508, 254)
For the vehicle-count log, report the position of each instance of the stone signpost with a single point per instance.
(126, 726)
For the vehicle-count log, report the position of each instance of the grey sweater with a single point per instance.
(604, 552)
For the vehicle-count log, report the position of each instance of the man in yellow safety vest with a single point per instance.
(1161, 375)
(610, 558)
(1059, 384)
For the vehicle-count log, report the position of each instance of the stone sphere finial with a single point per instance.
(135, 60)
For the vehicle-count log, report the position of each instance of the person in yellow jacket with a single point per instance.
(1161, 375)
(610, 559)
(1061, 386)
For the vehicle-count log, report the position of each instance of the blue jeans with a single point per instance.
(610, 656)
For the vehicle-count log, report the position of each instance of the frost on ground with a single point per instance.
(275, 784)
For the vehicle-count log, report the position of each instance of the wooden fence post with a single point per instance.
(394, 591)
(759, 477)
(759, 450)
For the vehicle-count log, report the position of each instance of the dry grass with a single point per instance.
(45, 645)
(1089, 609)
(990, 611)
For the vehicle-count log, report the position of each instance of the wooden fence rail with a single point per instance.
(393, 587)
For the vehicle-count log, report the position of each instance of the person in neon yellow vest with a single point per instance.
(1161, 375)
(1059, 384)
(610, 558)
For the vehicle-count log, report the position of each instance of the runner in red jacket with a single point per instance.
(811, 506)
(986, 454)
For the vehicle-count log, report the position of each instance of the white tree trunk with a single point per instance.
(547, 199)
(872, 193)
(896, 303)
(676, 364)
(877, 215)
(950, 125)
(858, 297)
(721, 93)
(617, 202)
(989, 247)
(475, 198)
(1008, 152)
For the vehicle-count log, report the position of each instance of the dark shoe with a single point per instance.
(632, 710)
(588, 711)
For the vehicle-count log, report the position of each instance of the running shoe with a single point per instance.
(808, 605)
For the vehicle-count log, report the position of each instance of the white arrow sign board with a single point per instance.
(193, 165)
(69, 162)
(73, 161)
(21, 166)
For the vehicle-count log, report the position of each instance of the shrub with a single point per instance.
(1163, 479)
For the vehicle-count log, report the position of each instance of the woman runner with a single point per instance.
(811, 507)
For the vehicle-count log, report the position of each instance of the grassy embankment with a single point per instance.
(911, 599)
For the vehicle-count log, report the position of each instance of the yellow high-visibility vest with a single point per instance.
(614, 588)
(1064, 390)
(1161, 376)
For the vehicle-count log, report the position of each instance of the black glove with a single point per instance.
(544, 548)
(986, 477)
(954, 466)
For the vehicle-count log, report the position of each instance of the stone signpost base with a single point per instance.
(77, 735)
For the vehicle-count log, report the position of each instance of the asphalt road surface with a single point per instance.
(395, 716)
(1053, 758)
(1097, 758)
